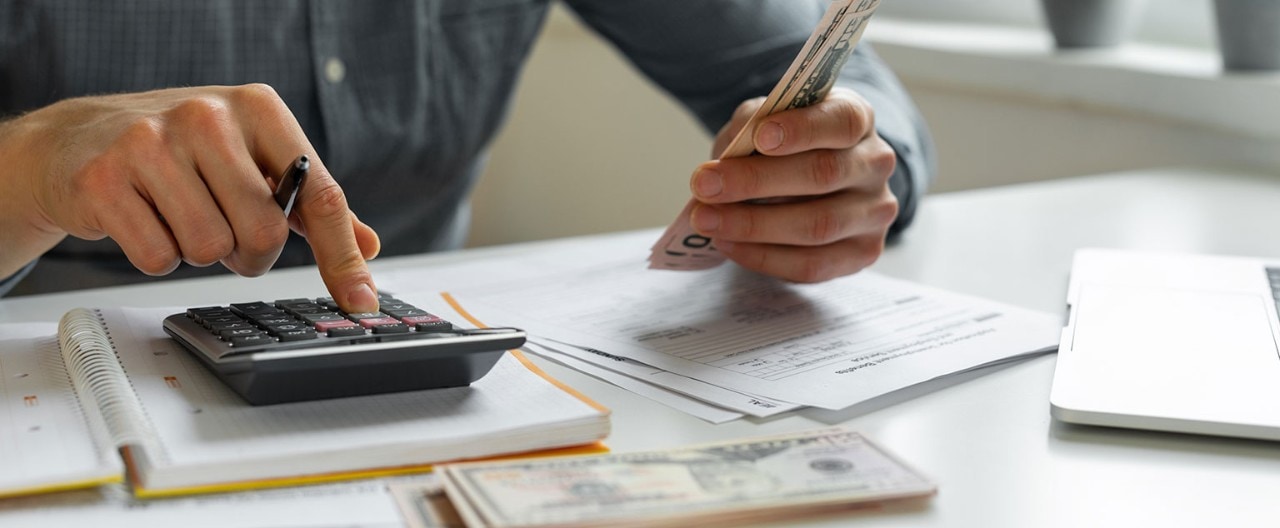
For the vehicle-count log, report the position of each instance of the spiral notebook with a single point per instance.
(112, 398)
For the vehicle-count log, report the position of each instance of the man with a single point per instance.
(396, 103)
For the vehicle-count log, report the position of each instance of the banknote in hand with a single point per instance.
(808, 80)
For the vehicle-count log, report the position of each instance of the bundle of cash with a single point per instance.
(764, 479)
(808, 80)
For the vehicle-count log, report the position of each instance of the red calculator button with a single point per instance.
(375, 321)
(419, 319)
(324, 326)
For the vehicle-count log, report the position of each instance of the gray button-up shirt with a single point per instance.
(402, 98)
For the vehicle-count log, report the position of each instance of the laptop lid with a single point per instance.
(1170, 342)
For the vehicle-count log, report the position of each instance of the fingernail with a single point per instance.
(706, 219)
(769, 137)
(708, 183)
(362, 299)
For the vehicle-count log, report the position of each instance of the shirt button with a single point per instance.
(335, 70)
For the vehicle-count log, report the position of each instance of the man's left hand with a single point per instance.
(820, 205)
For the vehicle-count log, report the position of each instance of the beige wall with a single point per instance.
(986, 140)
(591, 147)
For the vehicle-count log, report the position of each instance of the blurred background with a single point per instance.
(592, 147)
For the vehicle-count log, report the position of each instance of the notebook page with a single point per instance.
(202, 423)
(45, 442)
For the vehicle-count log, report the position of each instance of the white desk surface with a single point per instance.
(987, 438)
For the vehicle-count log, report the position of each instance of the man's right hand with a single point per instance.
(176, 175)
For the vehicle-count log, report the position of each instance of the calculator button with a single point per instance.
(427, 323)
(365, 315)
(434, 326)
(287, 327)
(346, 331)
(324, 326)
(406, 312)
(268, 316)
(390, 328)
(420, 318)
(238, 332)
(209, 311)
(297, 335)
(237, 325)
(375, 321)
(252, 308)
(284, 303)
(309, 310)
(207, 321)
(316, 318)
(250, 340)
(277, 321)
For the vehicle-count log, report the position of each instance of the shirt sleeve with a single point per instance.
(714, 54)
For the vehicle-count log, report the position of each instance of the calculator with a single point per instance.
(308, 349)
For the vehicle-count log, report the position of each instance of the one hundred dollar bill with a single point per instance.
(769, 478)
(808, 80)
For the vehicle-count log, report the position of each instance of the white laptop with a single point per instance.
(1171, 342)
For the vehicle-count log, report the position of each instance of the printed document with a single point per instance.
(828, 345)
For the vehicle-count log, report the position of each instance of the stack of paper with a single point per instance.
(724, 343)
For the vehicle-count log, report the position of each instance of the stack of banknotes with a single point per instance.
(767, 479)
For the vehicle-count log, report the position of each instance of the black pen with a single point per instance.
(291, 183)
